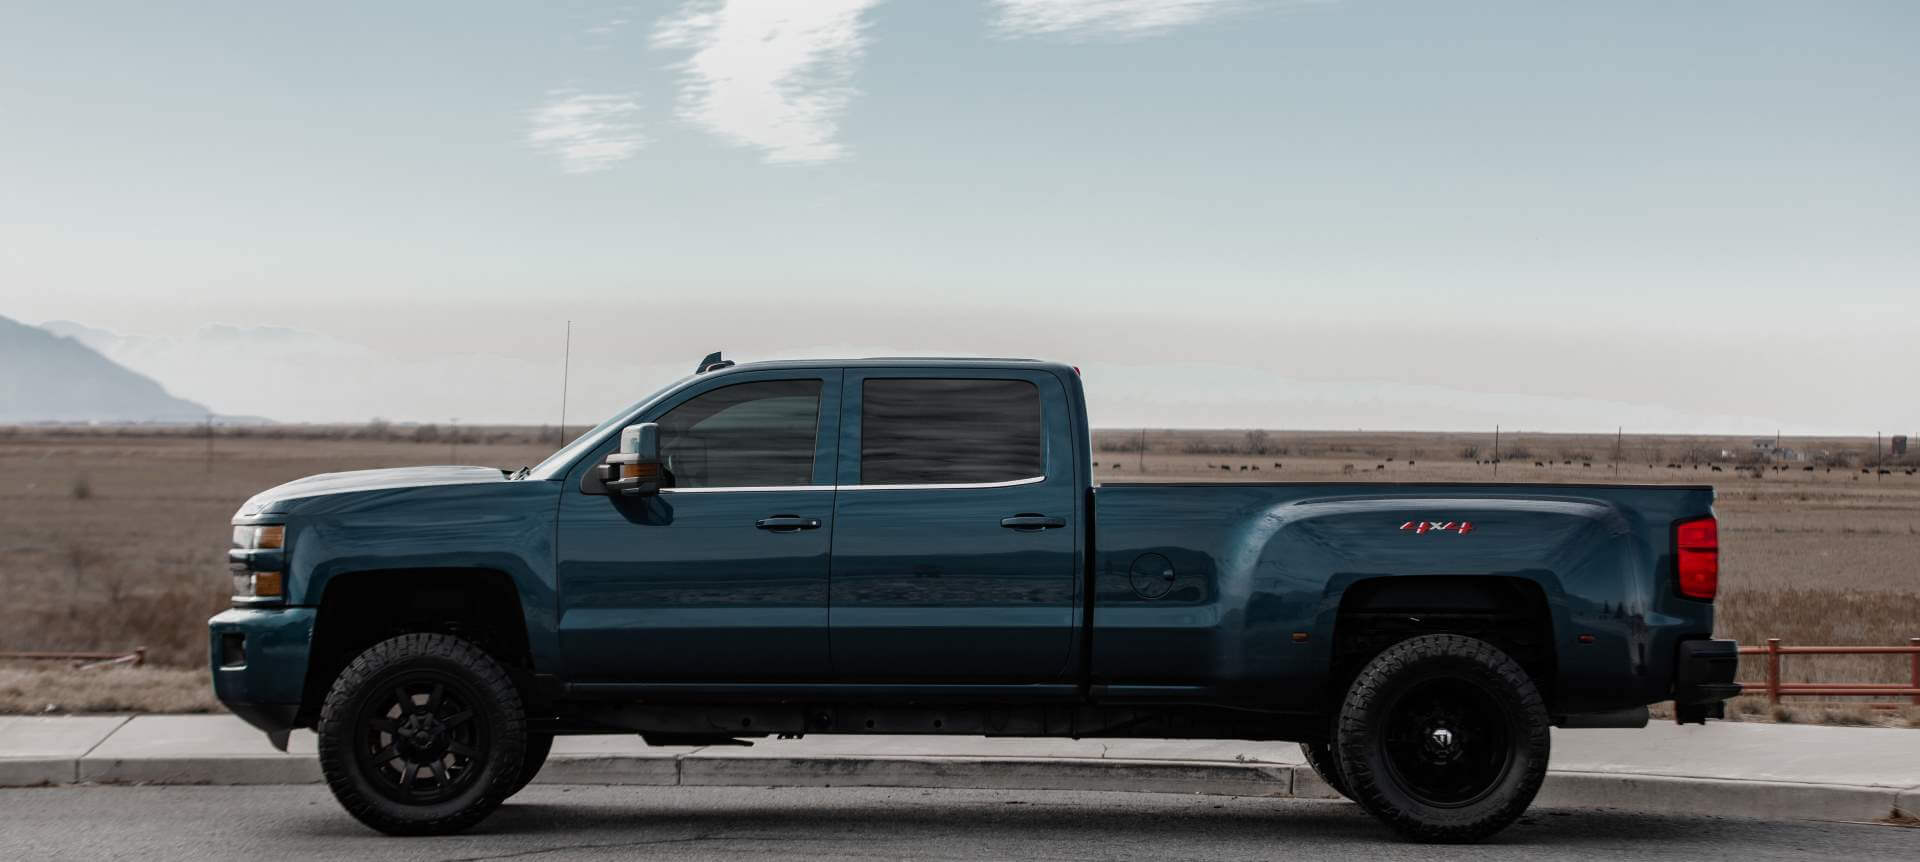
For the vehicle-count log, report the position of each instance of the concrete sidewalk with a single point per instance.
(1753, 770)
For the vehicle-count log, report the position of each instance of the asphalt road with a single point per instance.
(291, 823)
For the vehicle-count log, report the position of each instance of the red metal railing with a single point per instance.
(136, 658)
(1775, 689)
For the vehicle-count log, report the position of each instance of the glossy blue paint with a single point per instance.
(419, 518)
(1256, 563)
(276, 654)
(928, 586)
(683, 586)
(907, 593)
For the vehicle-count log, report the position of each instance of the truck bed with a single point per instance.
(1233, 591)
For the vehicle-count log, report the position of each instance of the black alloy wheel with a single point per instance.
(421, 740)
(1447, 742)
(422, 734)
(1445, 738)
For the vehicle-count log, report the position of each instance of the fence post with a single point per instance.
(1914, 657)
(139, 656)
(1773, 671)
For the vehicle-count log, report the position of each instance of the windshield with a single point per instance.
(556, 464)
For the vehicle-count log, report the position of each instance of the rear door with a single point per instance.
(955, 527)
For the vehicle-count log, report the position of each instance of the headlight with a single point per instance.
(248, 583)
(259, 538)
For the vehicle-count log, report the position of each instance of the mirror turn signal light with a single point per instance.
(639, 471)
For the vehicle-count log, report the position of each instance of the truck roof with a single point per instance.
(897, 362)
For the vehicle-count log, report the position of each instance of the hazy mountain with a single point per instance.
(46, 377)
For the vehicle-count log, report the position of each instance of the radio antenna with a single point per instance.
(566, 368)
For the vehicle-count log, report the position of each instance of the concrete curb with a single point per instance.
(1782, 771)
(998, 773)
(33, 771)
(1673, 794)
(231, 769)
(1774, 800)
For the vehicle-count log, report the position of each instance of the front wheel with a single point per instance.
(1444, 738)
(423, 734)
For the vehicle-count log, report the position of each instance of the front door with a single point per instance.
(722, 577)
(955, 528)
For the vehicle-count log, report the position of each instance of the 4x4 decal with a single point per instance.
(1461, 527)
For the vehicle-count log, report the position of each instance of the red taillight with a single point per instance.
(1697, 557)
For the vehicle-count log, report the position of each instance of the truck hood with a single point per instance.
(354, 481)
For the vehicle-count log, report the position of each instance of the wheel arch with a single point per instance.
(1511, 612)
(361, 608)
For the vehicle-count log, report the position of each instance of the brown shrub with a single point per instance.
(42, 690)
(1851, 716)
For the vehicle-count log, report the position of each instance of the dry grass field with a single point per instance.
(114, 538)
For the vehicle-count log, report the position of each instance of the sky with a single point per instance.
(1690, 218)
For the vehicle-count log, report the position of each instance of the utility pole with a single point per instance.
(453, 439)
(209, 442)
(1618, 433)
(1496, 450)
(1143, 451)
(1876, 456)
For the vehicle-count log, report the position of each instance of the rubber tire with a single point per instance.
(1320, 757)
(539, 745)
(1360, 730)
(500, 706)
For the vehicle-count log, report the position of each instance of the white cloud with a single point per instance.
(587, 131)
(607, 29)
(768, 74)
(1120, 18)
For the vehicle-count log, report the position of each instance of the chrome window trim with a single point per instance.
(1011, 483)
(946, 485)
(744, 488)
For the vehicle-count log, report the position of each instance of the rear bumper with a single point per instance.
(259, 662)
(1703, 679)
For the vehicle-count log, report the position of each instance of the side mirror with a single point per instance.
(634, 470)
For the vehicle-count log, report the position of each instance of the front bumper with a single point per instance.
(1703, 680)
(259, 659)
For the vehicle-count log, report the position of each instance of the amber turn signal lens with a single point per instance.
(271, 537)
(266, 584)
(639, 471)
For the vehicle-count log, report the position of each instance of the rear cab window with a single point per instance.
(963, 431)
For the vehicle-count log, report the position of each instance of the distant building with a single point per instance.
(1899, 445)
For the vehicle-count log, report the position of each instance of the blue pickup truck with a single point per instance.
(917, 546)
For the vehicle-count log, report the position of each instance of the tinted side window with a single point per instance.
(921, 432)
(746, 434)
